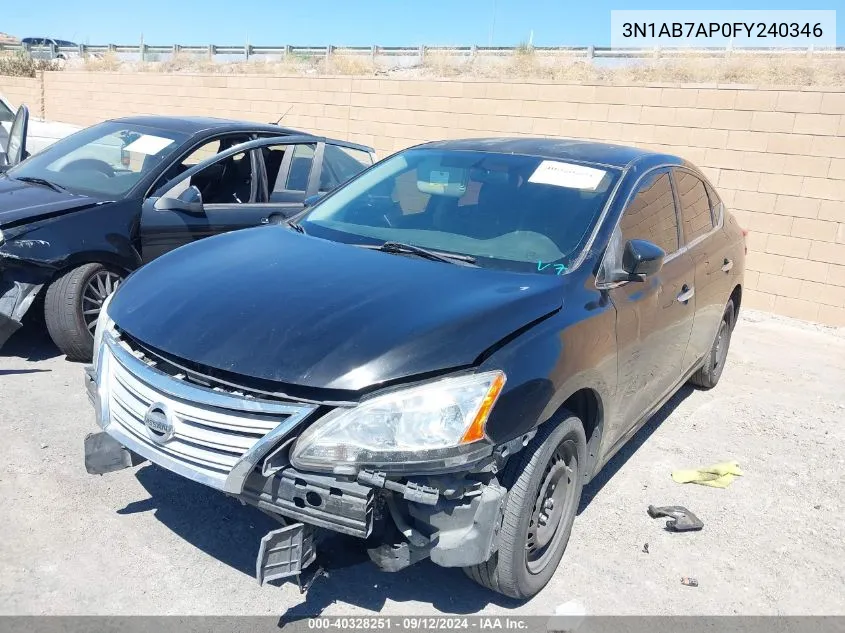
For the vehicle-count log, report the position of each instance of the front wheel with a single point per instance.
(545, 483)
(72, 307)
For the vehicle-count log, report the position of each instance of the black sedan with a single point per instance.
(78, 217)
(463, 336)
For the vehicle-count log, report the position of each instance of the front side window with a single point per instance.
(651, 214)
(514, 212)
(695, 206)
(108, 159)
(227, 181)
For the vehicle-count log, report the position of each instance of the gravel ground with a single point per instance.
(144, 541)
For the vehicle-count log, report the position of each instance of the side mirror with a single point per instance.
(641, 258)
(189, 201)
(310, 201)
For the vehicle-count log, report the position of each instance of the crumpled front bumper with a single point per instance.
(15, 299)
(453, 519)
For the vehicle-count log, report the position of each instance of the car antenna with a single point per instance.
(279, 120)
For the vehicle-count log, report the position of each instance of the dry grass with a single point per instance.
(19, 64)
(523, 64)
(107, 62)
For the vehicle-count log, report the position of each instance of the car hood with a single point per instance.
(22, 202)
(277, 305)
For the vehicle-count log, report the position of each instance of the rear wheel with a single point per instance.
(72, 307)
(708, 376)
(545, 483)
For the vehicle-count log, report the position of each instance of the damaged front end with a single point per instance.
(440, 503)
(20, 283)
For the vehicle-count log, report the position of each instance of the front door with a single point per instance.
(263, 181)
(655, 316)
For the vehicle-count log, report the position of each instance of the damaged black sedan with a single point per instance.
(78, 217)
(435, 358)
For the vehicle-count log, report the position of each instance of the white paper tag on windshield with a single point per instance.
(148, 144)
(552, 172)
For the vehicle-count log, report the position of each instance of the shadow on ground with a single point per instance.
(223, 528)
(631, 446)
(31, 343)
(230, 532)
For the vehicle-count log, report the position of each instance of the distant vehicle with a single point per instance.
(78, 217)
(435, 357)
(48, 48)
(40, 133)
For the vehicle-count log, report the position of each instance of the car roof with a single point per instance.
(556, 148)
(196, 124)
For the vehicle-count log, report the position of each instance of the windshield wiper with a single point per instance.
(296, 227)
(410, 249)
(41, 181)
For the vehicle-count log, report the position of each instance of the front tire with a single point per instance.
(544, 483)
(72, 307)
(708, 375)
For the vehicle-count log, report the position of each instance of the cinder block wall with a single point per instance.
(18, 90)
(776, 154)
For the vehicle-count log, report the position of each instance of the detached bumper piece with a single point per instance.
(15, 299)
(104, 454)
(285, 552)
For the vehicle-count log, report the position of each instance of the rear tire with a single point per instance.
(72, 304)
(534, 531)
(708, 375)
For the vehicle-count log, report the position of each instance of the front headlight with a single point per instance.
(2, 239)
(104, 324)
(428, 427)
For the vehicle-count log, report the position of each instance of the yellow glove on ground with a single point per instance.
(715, 476)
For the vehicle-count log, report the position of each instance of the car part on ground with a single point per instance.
(83, 214)
(446, 397)
(680, 519)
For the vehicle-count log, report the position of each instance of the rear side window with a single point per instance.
(651, 214)
(341, 164)
(695, 206)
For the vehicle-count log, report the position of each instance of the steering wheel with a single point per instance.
(84, 164)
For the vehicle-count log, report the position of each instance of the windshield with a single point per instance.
(107, 159)
(514, 212)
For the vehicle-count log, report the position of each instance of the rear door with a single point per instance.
(654, 317)
(709, 248)
(294, 173)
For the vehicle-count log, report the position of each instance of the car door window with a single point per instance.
(300, 169)
(651, 214)
(696, 212)
(288, 171)
(227, 181)
(198, 154)
(341, 164)
(6, 114)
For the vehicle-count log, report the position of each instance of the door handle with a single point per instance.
(727, 265)
(687, 293)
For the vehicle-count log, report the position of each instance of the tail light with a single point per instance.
(745, 239)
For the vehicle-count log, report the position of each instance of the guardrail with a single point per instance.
(215, 52)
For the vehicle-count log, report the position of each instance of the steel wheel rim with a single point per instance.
(721, 351)
(97, 289)
(545, 527)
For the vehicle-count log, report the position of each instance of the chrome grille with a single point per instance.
(217, 439)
